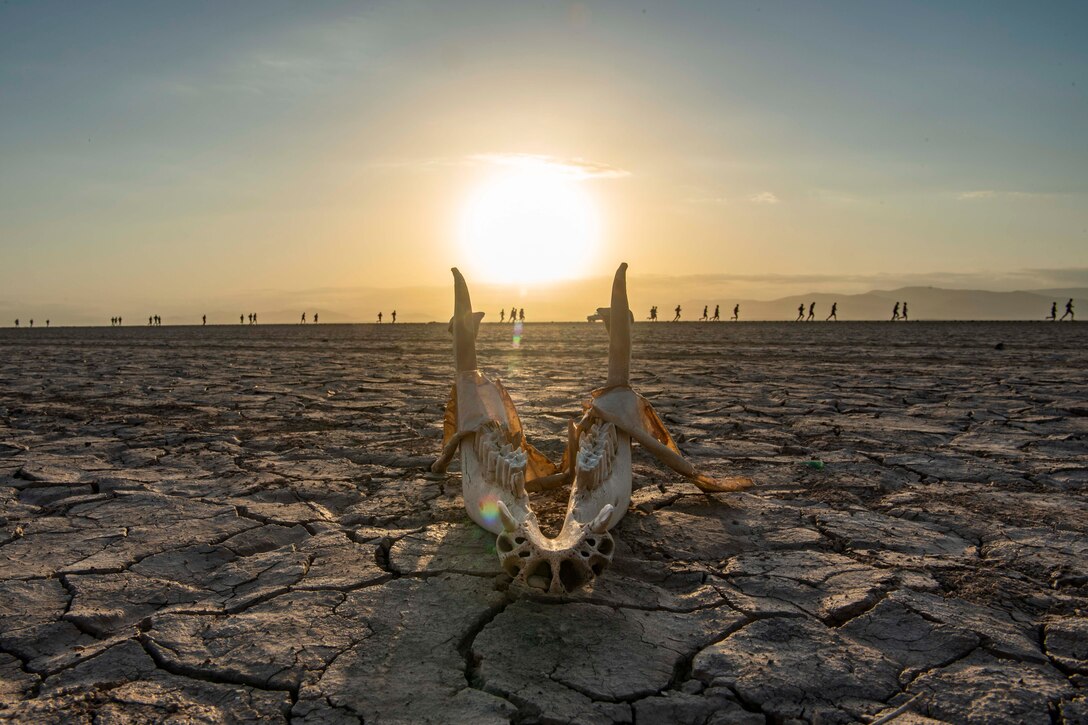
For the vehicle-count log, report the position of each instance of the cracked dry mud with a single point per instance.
(236, 524)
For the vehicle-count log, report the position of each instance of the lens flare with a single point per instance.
(518, 330)
(489, 509)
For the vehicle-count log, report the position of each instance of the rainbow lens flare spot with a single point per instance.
(489, 509)
(518, 329)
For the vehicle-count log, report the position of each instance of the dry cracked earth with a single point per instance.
(236, 524)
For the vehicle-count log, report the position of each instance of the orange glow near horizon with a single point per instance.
(529, 224)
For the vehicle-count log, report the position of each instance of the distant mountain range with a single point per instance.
(567, 301)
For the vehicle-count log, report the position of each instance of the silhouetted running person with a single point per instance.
(204, 319)
(706, 313)
(254, 318)
(521, 315)
(677, 318)
(47, 323)
(800, 312)
(653, 314)
(241, 319)
(16, 321)
(158, 321)
(32, 322)
(150, 318)
(303, 322)
(379, 318)
(119, 320)
(904, 311)
(811, 312)
(1069, 311)
(736, 312)
(717, 313)
(834, 312)
(394, 316)
(895, 312)
(315, 317)
(513, 315)
(1053, 311)
(502, 315)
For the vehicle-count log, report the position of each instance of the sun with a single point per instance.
(529, 224)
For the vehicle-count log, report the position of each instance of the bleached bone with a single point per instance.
(498, 465)
(482, 424)
(632, 414)
(598, 460)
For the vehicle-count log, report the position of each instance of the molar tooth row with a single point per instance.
(597, 452)
(503, 464)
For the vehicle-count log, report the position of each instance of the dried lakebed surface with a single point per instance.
(236, 524)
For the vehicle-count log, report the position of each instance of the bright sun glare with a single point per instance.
(532, 223)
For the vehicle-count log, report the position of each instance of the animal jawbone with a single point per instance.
(498, 464)
(583, 548)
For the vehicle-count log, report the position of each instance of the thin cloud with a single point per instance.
(983, 194)
(575, 167)
(1053, 277)
(764, 197)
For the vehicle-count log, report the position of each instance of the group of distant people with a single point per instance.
(898, 313)
(707, 317)
(516, 315)
(811, 316)
(31, 321)
(303, 320)
(1068, 312)
(392, 316)
(115, 321)
(156, 321)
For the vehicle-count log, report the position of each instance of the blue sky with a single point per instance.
(178, 150)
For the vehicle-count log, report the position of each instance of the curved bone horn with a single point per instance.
(619, 331)
(464, 324)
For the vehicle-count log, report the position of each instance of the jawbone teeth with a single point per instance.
(596, 454)
(504, 465)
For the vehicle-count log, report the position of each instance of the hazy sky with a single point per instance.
(174, 153)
